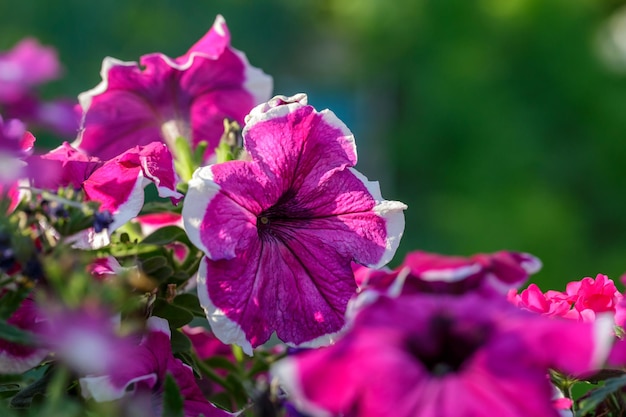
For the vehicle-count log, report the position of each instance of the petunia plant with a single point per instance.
(200, 248)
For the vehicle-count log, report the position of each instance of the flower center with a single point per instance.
(280, 220)
(448, 345)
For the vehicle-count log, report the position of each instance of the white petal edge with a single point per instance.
(277, 106)
(450, 274)
(130, 208)
(603, 338)
(286, 372)
(10, 364)
(393, 214)
(85, 98)
(201, 191)
(164, 192)
(223, 328)
(101, 389)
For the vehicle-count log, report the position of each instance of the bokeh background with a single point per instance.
(501, 123)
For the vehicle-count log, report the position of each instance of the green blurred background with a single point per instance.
(501, 123)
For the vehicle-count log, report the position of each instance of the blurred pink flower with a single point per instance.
(17, 358)
(86, 339)
(161, 99)
(25, 66)
(424, 272)
(427, 355)
(146, 368)
(279, 232)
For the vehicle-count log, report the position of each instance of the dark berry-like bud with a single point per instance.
(102, 220)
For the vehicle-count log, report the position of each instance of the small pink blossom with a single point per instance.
(26, 65)
(583, 300)
(161, 99)
(427, 355)
(280, 231)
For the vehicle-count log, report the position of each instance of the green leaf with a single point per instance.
(221, 362)
(180, 342)
(191, 303)
(15, 335)
(598, 395)
(177, 316)
(172, 400)
(153, 263)
(165, 235)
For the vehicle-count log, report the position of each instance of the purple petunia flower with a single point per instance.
(22, 68)
(161, 99)
(86, 339)
(428, 355)
(424, 272)
(280, 231)
(146, 367)
(26, 65)
(118, 183)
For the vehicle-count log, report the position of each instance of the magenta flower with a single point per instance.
(16, 358)
(161, 99)
(25, 66)
(86, 339)
(147, 365)
(426, 355)
(583, 300)
(280, 231)
(16, 144)
(118, 183)
(425, 272)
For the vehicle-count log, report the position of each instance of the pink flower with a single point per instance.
(118, 183)
(16, 358)
(152, 222)
(583, 299)
(488, 274)
(597, 295)
(26, 65)
(22, 68)
(16, 144)
(552, 303)
(162, 98)
(280, 231)
(86, 339)
(425, 355)
(205, 344)
(145, 372)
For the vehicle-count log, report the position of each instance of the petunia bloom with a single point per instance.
(25, 66)
(87, 339)
(424, 272)
(428, 355)
(280, 231)
(118, 183)
(146, 368)
(162, 98)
